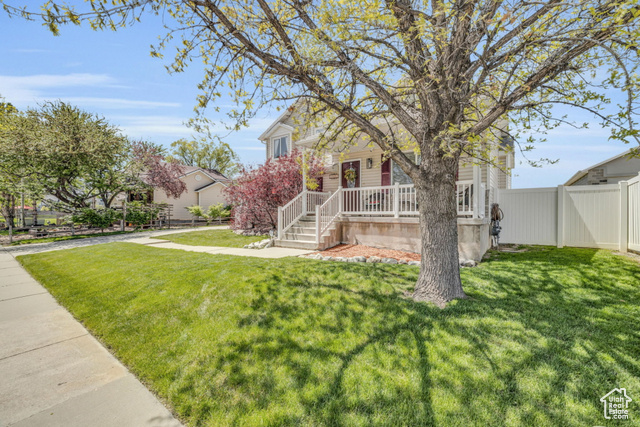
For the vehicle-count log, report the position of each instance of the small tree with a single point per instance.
(140, 214)
(256, 195)
(100, 218)
(218, 211)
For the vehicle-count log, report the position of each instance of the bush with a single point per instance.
(99, 218)
(218, 211)
(256, 195)
(140, 214)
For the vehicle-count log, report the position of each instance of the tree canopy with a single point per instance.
(438, 76)
(76, 156)
(206, 154)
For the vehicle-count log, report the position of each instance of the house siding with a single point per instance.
(212, 196)
(189, 198)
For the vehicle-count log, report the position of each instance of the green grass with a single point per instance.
(222, 238)
(245, 341)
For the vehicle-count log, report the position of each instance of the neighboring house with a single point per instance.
(378, 207)
(204, 188)
(611, 171)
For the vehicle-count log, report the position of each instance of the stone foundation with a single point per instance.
(403, 234)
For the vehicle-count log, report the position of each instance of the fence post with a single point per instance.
(318, 224)
(124, 212)
(340, 201)
(396, 200)
(279, 222)
(304, 202)
(477, 180)
(624, 216)
(560, 217)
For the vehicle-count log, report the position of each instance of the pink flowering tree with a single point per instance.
(256, 195)
(155, 171)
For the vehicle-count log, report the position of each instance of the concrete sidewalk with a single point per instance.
(54, 373)
(271, 252)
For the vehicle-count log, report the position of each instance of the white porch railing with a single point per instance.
(393, 201)
(290, 213)
(303, 204)
(402, 200)
(315, 198)
(327, 213)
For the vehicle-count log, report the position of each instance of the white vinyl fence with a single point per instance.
(603, 216)
(633, 189)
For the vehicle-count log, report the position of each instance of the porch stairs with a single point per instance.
(302, 235)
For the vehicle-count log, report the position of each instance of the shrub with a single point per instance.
(218, 211)
(256, 195)
(140, 214)
(100, 218)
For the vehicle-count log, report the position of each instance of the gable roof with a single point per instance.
(581, 173)
(211, 184)
(278, 122)
(211, 173)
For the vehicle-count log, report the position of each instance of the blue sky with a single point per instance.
(112, 74)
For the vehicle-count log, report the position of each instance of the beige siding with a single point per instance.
(188, 198)
(212, 196)
(465, 172)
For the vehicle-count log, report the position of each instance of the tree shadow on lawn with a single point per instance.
(541, 339)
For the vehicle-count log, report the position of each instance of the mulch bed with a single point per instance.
(349, 251)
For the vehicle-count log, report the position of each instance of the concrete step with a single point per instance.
(300, 237)
(296, 244)
(301, 230)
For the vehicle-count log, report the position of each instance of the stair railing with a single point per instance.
(290, 213)
(327, 213)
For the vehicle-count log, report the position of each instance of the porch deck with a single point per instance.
(309, 220)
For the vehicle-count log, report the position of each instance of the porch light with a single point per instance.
(369, 163)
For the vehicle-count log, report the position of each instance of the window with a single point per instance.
(398, 174)
(280, 147)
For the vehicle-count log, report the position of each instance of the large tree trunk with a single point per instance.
(439, 279)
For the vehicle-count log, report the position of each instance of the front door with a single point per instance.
(350, 175)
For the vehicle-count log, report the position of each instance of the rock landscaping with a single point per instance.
(361, 253)
(262, 244)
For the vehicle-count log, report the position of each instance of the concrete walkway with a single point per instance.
(272, 252)
(33, 248)
(54, 373)
(145, 239)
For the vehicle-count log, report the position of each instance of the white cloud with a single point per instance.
(118, 103)
(24, 91)
(56, 80)
(148, 126)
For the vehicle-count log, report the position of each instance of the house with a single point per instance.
(364, 198)
(611, 171)
(204, 188)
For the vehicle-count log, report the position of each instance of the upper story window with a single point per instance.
(280, 147)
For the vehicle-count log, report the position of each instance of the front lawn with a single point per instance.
(222, 238)
(246, 341)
